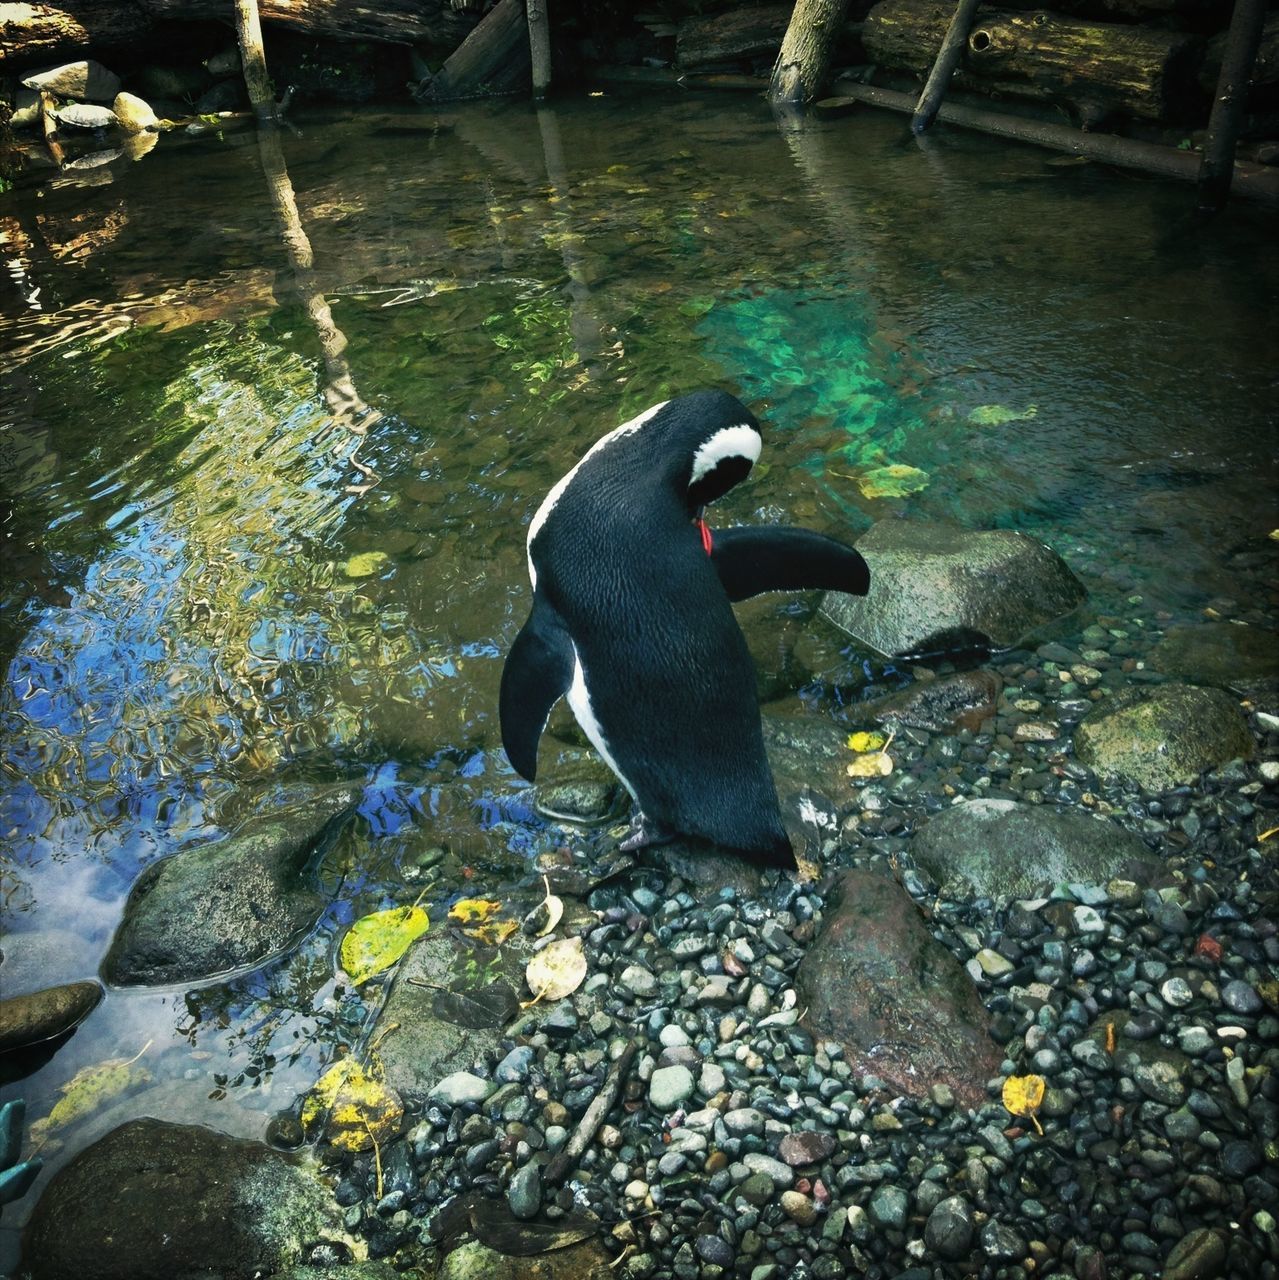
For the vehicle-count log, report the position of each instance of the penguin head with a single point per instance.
(713, 441)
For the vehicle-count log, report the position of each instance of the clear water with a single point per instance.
(271, 438)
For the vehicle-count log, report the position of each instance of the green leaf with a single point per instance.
(366, 564)
(377, 941)
(997, 415)
(894, 481)
(90, 1089)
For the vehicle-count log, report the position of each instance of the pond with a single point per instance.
(275, 417)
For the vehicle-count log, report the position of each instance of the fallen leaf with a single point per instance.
(493, 934)
(1023, 1096)
(362, 1109)
(491, 1006)
(366, 564)
(866, 741)
(556, 971)
(474, 910)
(894, 481)
(554, 911)
(872, 764)
(377, 941)
(997, 415)
(89, 1089)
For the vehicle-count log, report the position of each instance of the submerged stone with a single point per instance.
(930, 580)
(960, 701)
(1218, 653)
(879, 984)
(1005, 849)
(230, 904)
(154, 1200)
(1163, 737)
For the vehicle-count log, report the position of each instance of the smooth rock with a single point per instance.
(44, 1014)
(588, 1260)
(959, 701)
(1200, 1255)
(929, 578)
(86, 81)
(524, 1195)
(229, 904)
(878, 983)
(889, 1206)
(948, 1231)
(669, 1087)
(799, 1208)
(134, 113)
(806, 1147)
(1159, 738)
(461, 1088)
(1221, 653)
(152, 1201)
(1008, 849)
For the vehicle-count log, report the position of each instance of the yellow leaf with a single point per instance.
(473, 910)
(366, 564)
(556, 971)
(1023, 1096)
(89, 1089)
(893, 481)
(493, 934)
(377, 941)
(867, 740)
(361, 1108)
(872, 764)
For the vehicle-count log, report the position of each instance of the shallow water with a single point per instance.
(279, 413)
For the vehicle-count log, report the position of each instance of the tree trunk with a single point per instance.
(1228, 104)
(494, 58)
(248, 32)
(1265, 70)
(31, 34)
(539, 45)
(801, 66)
(732, 36)
(952, 49)
(1097, 67)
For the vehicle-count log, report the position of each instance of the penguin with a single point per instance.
(632, 622)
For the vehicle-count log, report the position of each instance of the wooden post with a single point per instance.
(806, 51)
(49, 127)
(248, 31)
(539, 45)
(1217, 169)
(947, 60)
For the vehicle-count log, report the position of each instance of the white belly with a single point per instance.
(580, 702)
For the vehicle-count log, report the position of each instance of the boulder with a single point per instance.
(931, 582)
(134, 113)
(475, 1261)
(960, 701)
(1162, 737)
(1005, 849)
(231, 904)
(86, 81)
(44, 1014)
(877, 982)
(153, 1200)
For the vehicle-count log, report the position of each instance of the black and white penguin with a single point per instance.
(632, 620)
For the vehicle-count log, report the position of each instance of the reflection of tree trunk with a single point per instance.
(583, 321)
(348, 409)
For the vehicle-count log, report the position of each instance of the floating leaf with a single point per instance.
(554, 909)
(89, 1089)
(556, 971)
(362, 1109)
(366, 564)
(1023, 1096)
(866, 740)
(998, 415)
(474, 910)
(491, 1006)
(493, 934)
(377, 941)
(894, 481)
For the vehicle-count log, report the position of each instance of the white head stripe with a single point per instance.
(557, 490)
(729, 442)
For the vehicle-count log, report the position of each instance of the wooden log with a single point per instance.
(1228, 104)
(493, 59)
(735, 36)
(31, 34)
(952, 49)
(1256, 181)
(1121, 10)
(1097, 67)
(592, 1118)
(805, 57)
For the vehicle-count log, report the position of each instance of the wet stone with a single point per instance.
(948, 1231)
(669, 1087)
(889, 1206)
(806, 1147)
(1240, 997)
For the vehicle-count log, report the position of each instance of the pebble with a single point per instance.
(669, 1087)
(1176, 992)
(461, 1088)
(1239, 997)
(524, 1195)
(780, 1174)
(799, 1207)
(889, 1206)
(948, 1231)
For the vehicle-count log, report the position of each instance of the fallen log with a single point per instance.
(1098, 68)
(734, 36)
(493, 59)
(35, 33)
(1256, 181)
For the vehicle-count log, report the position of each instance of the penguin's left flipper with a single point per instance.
(538, 672)
(751, 561)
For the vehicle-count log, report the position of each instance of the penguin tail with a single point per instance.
(779, 853)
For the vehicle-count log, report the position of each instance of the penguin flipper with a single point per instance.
(751, 561)
(538, 672)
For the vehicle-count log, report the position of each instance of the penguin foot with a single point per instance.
(644, 834)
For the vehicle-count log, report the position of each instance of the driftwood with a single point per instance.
(1097, 67)
(493, 59)
(34, 33)
(733, 36)
(592, 1118)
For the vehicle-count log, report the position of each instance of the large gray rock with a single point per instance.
(927, 579)
(85, 81)
(152, 1201)
(1162, 737)
(44, 1014)
(877, 982)
(228, 905)
(1003, 849)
